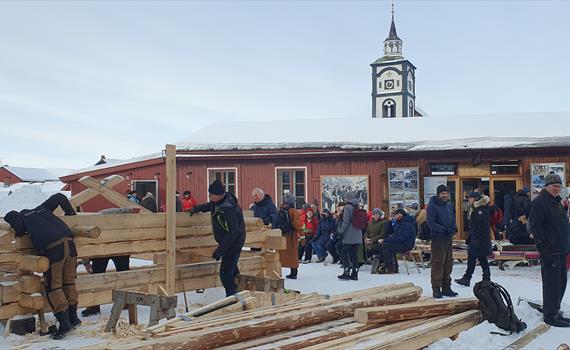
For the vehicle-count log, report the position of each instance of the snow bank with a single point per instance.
(25, 195)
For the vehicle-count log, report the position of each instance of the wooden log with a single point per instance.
(30, 284)
(528, 337)
(416, 337)
(9, 292)
(88, 231)
(33, 301)
(112, 196)
(395, 313)
(227, 334)
(13, 309)
(34, 263)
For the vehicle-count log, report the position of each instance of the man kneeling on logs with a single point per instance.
(54, 240)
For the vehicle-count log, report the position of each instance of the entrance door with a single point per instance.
(144, 186)
(501, 188)
(468, 185)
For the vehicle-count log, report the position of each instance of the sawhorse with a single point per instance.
(160, 307)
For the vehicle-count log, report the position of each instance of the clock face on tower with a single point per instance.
(389, 84)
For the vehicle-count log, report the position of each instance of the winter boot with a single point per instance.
(464, 281)
(293, 274)
(556, 321)
(446, 291)
(354, 275)
(388, 270)
(64, 325)
(561, 316)
(320, 260)
(345, 275)
(72, 313)
(437, 293)
(90, 311)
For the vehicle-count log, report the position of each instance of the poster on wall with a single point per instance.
(539, 170)
(430, 186)
(335, 187)
(403, 188)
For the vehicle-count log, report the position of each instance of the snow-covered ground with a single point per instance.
(520, 281)
(26, 195)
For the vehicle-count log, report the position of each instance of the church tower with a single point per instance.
(393, 81)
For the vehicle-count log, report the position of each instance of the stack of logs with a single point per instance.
(98, 235)
(387, 317)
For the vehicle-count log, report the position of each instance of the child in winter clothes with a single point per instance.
(310, 226)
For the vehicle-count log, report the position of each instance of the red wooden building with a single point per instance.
(493, 164)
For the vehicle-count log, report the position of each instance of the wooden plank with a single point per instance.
(89, 231)
(30, 284)
(170, 219)
(416, 337)
(395, 313)
(111, 195)
(226, 334)
(89, 193)
(528, 337)
(13, 309)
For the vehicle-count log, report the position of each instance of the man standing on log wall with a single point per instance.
(441, 222)
(228, 227)
(54, 240)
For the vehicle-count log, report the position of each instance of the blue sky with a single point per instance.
(81, 79)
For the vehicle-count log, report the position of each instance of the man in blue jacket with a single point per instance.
(401, 240)
(441, 222)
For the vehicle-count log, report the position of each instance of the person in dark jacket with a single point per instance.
(228, 227)
(522, 203)
(508, 207)
(54, 240)
(351, 239)
(149, 202)
(401, 240)
(375, 232)
(178, 202)
(327, 227)
(550, 228)
(441, 222)
(263, 207)
(479, 239)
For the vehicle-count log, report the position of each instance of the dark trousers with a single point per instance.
(229, 270)
(332, 250)
(471, 260)
(350, 255)
(307, 249)
(60, 277)
(441, 262)
(389, 251)
(100, 264)
(554, 279)
(338, 248)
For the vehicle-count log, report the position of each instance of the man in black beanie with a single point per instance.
(54, 240)
(228, 227)
(549, 225)
(441, 221)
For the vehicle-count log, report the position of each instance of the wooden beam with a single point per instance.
(34, 263)
(89, 193)
(528, 337)
(421, 309)
(33, 301)
(112, 196)
(9, 292)
(170, 219)
(13, 309)
(30, 283)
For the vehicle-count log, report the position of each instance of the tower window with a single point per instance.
(389, 109)
(397, 83)
(379, 85)
(411, 112)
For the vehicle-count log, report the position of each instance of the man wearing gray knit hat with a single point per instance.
(549, 225)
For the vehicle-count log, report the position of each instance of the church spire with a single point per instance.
(393, 44)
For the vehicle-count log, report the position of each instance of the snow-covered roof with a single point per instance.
(117, 162)
(410, 134)
(32, 174)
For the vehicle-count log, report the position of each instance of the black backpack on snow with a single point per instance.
(496, 307)
(284, 222)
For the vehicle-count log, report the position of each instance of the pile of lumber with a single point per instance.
(112, 235)
(388, 317)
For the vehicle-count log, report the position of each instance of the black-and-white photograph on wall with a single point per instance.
(403, 188)
(335, 187)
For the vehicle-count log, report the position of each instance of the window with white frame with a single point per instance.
(228, 176)
(292, 181)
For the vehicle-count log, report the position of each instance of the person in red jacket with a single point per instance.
(310, 226)
(188, 202)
